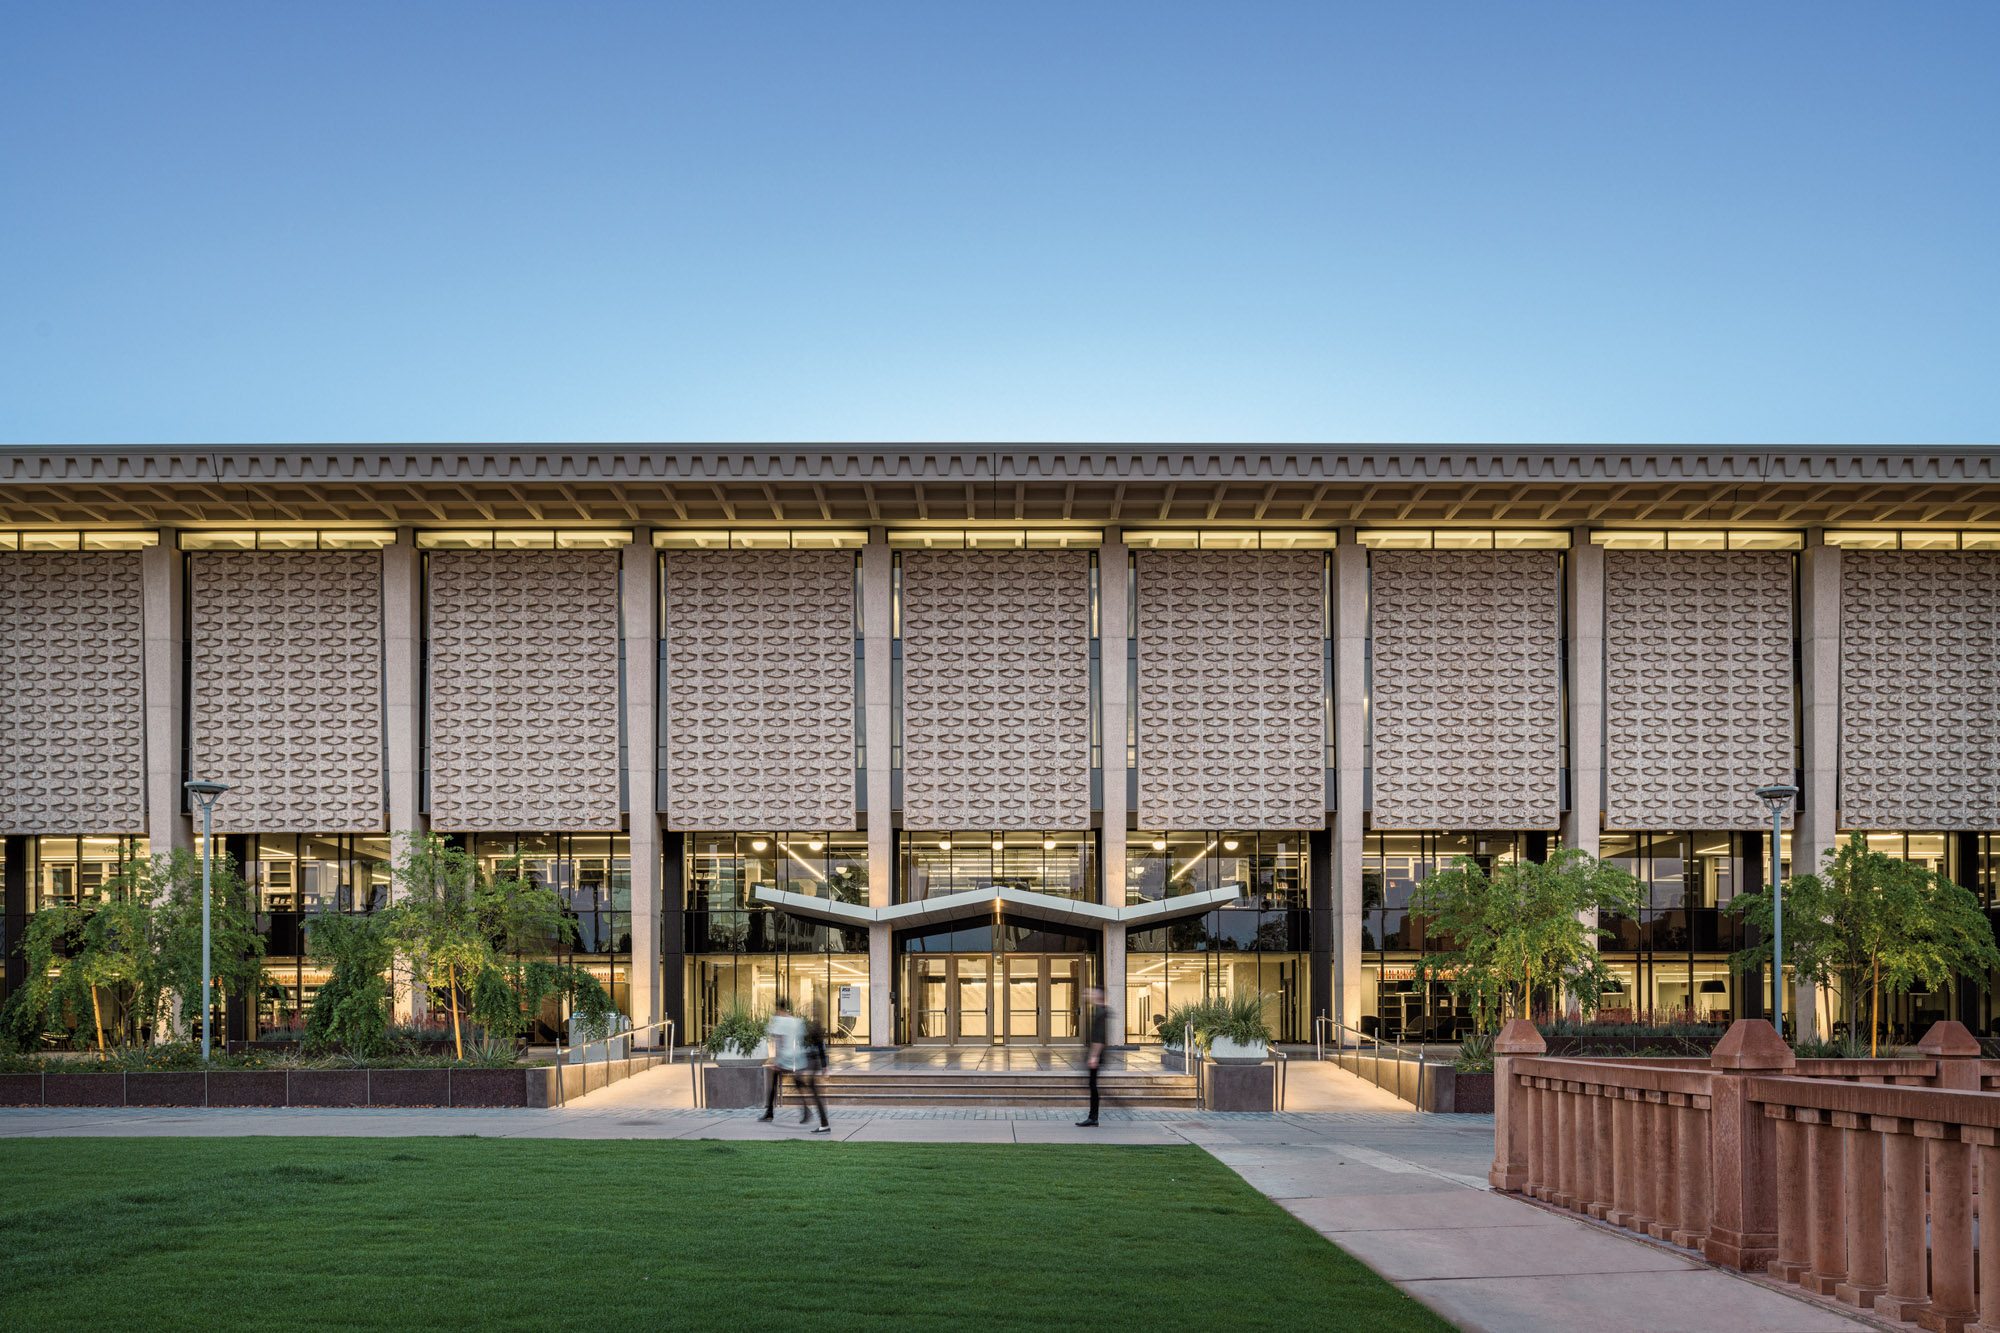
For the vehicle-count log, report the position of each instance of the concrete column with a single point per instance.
(1113, 613)
(164, 591)
(639, 613)
(1814, 827)
(1584, 609)
(402, 700)
(878, 697)
(1350, 737)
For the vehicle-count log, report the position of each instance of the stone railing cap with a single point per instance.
(1948, 1036)
(1519, 1037)
(1751, 1043)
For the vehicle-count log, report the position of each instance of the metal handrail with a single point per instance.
(630, 1035)
(1320, 1024)
(1401, 1052)
(1283, 1061)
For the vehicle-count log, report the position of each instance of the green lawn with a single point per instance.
(404, 1233)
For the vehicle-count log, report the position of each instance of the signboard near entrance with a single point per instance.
(850, 1001)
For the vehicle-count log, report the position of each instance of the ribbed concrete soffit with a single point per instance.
(72, 693)
(524, 689)
(1467, 713)
(1919, 690)
(996, 689)
(880, 483)
(287, 687)
(760, 689)
(1232, 713)
(1698, 686)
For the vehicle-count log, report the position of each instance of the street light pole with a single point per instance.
(206, 794)
(1779, 798)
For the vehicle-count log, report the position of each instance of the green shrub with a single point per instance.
(739, 1026)
(1475, 1054)
(1239, 1019)
(1834, 1048)
(350, 1014)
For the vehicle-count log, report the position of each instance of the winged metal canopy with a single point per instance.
(986, 902)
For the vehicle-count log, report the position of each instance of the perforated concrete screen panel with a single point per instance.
(1919, 689)
(1467, 669)
(523, 689)
(286, 693)
(1232, 717)
(996, 689)
(72, 692)
(1698, 686)
(760, 689)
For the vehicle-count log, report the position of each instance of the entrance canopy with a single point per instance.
(985, 902)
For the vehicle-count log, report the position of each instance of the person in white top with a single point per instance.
(789, 1055)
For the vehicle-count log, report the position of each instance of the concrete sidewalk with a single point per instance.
(1403, 1192)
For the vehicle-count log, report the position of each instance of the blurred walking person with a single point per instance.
(1093, 1054)
(815, 1065)
(787, 1034)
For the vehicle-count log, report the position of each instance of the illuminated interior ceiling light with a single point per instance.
(944, 844)
(1048, 844)
(1230, 844)
(758, 844)
(1159, 844)
(818, 846)
(999, 843)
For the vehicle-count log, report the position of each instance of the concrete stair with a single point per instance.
(946, 1087)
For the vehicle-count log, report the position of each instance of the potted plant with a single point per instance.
(738, 1036)
(1236, 1032)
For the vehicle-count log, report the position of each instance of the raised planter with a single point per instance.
(1239, 1087)
(326, 1087)
(83, 1089)
(410, 1087)
(246, 1087)
(1223, 1051)
(493, 1087)
(733, 1054)
(1472, 1094)
(166, 1089)
(738, 1084)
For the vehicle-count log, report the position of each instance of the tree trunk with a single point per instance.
(451, 984)
(97, 1017)
(1875, 1009)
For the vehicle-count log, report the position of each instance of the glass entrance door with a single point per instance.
(976, 999)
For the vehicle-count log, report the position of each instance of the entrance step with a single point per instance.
(917, 1087)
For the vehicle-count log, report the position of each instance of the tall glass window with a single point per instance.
(1671, 962)
(743, 951)
(1258, 944)
(74, 872)
(1396, 935)
(292, 876)
(1059, 863)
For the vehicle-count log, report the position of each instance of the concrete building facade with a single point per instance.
(934, 737)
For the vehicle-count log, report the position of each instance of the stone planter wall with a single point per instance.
(536, 1087)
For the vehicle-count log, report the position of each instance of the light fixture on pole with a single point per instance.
(1779, 798)
(206, 794)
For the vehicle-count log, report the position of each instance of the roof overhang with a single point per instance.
(1113, 485)
(973, 904)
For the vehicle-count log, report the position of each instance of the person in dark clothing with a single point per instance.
(1093, 1051)
(815, 1065)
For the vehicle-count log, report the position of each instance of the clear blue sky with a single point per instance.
(1077, 221)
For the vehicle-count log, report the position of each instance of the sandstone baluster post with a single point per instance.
(1903, 1219)
(1867, 1247)
(1743, 1206)
(1952, 1305)
(1513, 1123)
(1826, 1197)
(1988, 1142)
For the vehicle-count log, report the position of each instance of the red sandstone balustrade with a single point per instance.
(1856, 1179)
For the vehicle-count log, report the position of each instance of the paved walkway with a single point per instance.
(1403, 1192)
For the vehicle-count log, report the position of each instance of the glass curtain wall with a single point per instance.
(936, 864)
(744, 952)
(1262, 945)
(591, 874)
(292, 876)
(1395, 935)
(72, 872)
(1972, 861)
(1671, 962)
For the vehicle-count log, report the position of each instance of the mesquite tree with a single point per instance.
(1524, 927)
